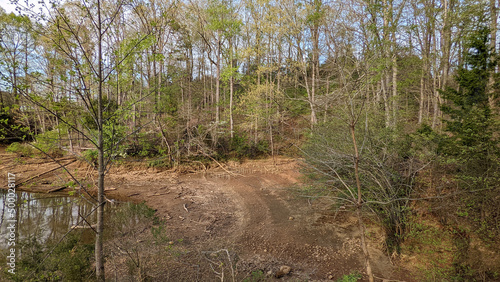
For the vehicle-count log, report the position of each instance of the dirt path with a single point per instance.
(275, 228)
(252, 211)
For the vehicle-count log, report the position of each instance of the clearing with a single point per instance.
(249, 210)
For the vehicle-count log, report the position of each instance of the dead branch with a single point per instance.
(43, 173)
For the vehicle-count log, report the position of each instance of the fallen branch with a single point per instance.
(229, 172)
(56, 189)
(83, 226)
(44, 161)
(43, 173)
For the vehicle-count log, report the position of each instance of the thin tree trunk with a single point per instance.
(394, 88)
(364, 246)
(385, 96)
(231, 91)
(445, 60)
(493, 44)
(359, 204)
(99, 253)
(436, 96)
(422, 95)
(217, 83)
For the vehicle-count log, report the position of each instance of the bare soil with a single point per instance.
(250, 211)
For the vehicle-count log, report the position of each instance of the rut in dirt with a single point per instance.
(274, 230)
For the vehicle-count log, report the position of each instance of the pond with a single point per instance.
(38, 238)
(46, 217)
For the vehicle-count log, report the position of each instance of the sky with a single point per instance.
(5, 4)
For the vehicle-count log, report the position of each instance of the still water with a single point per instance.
(45, 217)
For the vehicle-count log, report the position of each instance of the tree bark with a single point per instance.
(359, 203)
(493, 44)
(99, 253)
(217, 82)
(231, 90)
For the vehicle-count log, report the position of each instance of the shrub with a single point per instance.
(70, 260)
(23, 150)
(47, 142)
(91, 156)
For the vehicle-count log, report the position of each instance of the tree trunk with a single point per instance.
(394, 87)
(422, 95)
(217, 83)
(385, 96)
(364, 246)
(231, 91)
(99, 253)
(445, 60)
(359, 204)
(493, 44)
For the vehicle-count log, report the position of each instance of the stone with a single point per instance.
(284, 270)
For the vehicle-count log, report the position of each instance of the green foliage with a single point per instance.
(113, 129)
(11, 128)
(222, 18)
(70, 260)
(143, 210)
(109, 113)
(114, 137)
(240, 147)
(49, 143)
(353, 277)
(433, 246)
(256, 276)
(145, 145)
(90, 156)
(471, 143)
(159, 234)
(470, 120)
(23, 150)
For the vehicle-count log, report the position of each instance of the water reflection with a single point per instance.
(46, 217)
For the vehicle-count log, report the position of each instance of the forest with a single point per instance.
(390, 106)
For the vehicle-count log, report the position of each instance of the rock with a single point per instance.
(291, 218)
(284, 270)
(330, 277)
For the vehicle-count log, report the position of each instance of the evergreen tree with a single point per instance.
(470, 141)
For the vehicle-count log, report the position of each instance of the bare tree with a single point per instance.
(78, 32)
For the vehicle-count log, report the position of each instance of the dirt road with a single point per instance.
(255, 211)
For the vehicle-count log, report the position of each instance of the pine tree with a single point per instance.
(469, 121)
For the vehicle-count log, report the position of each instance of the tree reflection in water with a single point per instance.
(45, 217)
